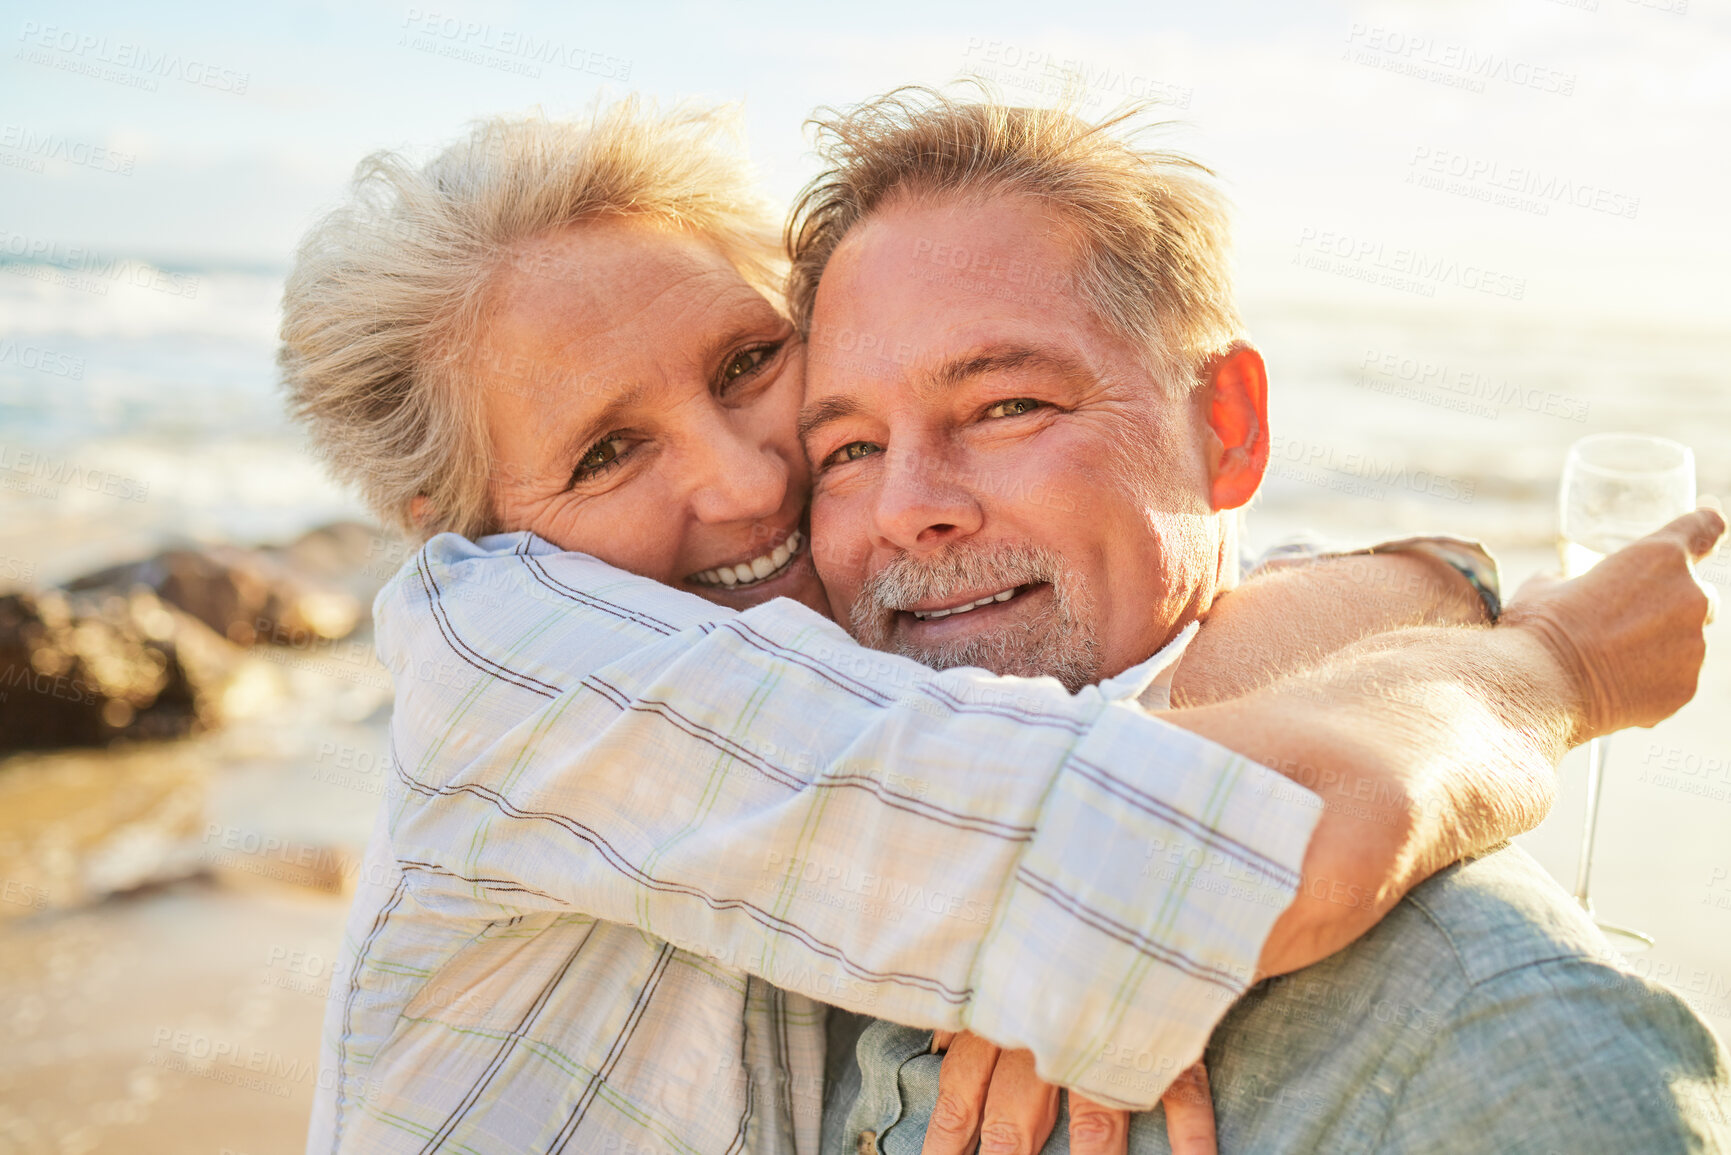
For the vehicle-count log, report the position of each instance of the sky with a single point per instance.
(1545, 155)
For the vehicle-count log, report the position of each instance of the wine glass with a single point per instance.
(1617, 487)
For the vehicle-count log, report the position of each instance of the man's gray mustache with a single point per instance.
(907, 581)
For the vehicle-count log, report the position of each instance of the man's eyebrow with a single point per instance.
(959, 370)
(820, 413)
(949, 375)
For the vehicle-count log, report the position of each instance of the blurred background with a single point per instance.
(1469, 234)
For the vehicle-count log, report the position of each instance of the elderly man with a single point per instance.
(1048, 327)
(648, 820)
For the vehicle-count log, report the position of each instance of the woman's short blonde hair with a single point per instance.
(382, 307)
(1155, 248)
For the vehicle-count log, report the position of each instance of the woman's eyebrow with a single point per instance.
(602, 421)
(757, 319)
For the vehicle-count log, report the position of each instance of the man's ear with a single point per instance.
(1235, 392)
(420, 512)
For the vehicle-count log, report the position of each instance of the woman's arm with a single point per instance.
(1291, 616)
(955, 849)
(1430, 744)
(938, 848)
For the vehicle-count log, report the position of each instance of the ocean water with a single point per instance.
(1410, 419)
(138, 404)
(133, 414)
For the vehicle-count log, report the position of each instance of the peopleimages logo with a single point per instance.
(122, 61)
(28, 356)
(1034, 70)
(36, 147)
(1521, 187)
(1452, 64)
(1461, 389)
(1296, 456)
(1400, 267)
(502, 48)
(52, 473)
(86, 269)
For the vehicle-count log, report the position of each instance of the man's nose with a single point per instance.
(922, 504)
(739, 478)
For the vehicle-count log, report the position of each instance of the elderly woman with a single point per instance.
(653, 814)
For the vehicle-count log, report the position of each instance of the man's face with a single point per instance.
(999, 481)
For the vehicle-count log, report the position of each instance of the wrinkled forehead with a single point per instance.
(924, 290)
(610, 304)
(1012, 249)
(613, 275)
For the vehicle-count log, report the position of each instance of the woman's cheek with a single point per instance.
(776, 417)
(631, 530)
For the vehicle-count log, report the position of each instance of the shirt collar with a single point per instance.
(1153, 674)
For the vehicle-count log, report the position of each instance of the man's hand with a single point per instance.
(994, 1099)
(1627, 633)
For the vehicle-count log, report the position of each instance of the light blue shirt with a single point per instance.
(1484, 1014)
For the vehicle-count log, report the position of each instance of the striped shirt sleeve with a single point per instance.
(944, 849)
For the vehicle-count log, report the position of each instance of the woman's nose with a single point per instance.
(742, 478)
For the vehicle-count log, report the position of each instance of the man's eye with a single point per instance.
(1014, 407)
(747, 362)
(852, 451)
(602, 456)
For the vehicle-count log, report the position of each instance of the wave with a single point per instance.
(130, 298)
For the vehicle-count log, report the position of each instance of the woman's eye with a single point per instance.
(852, 451)
(1014, 407)
(746, 362)
(601, 456)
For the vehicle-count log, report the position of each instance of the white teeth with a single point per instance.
(934, 615)
(755, 570)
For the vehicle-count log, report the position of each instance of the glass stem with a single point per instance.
(1596, 750)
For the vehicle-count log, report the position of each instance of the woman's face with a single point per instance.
(641, 400)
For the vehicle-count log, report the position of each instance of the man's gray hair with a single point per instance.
(1154, 251)
(382, 308)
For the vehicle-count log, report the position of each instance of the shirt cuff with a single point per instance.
(1140, 908)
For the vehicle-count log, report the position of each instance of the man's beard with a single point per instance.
(1059, 640)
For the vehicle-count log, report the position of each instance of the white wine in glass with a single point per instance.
(1617, 487)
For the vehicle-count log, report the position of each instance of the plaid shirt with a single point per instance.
(636, 842)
